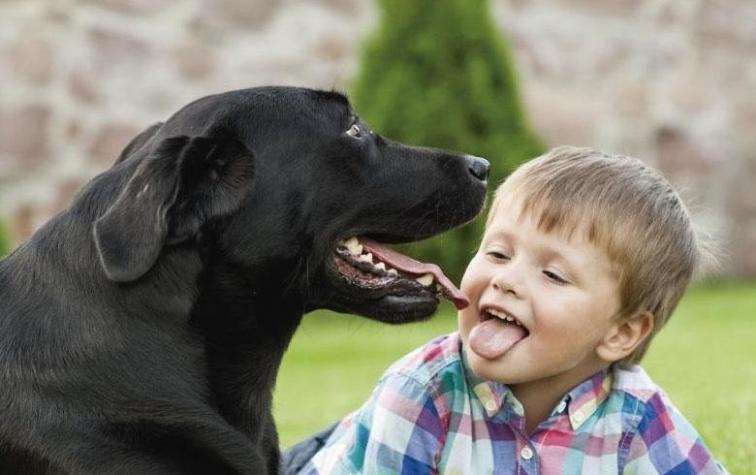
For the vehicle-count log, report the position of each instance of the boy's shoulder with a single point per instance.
(634, 382)
(661, 439)
(639, 396)
(438, 359)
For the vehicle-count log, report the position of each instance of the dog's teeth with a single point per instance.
(392, 272)
(380, 266)
(425, 280)
(439, 287)
(353, 245)
(365, 258)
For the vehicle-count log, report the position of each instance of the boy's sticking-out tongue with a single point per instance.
(493, 337)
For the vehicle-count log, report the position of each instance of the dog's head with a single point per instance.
(291, 188)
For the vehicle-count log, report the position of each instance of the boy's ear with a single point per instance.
(624, 336)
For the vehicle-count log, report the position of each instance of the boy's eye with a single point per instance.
(554, 277)
(498, 255)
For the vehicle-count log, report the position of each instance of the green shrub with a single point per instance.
(5, 244)
(436, 73)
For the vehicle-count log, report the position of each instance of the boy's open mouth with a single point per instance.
(496, 333)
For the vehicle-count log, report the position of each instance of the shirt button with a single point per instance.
(490, 406)
(526, 453)
(561, 407)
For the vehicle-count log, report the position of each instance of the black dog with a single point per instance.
(142, 328)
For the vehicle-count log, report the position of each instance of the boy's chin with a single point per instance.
(490, 370)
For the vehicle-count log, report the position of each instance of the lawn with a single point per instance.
(705, 359)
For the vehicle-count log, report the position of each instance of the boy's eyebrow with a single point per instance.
(499, 235)
(548, 250)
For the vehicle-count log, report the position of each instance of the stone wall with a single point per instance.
(670, 81)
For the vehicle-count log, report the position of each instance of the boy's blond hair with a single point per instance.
(624, 207)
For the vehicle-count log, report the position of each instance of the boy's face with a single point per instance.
(561, 291)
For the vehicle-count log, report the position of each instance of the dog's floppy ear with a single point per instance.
(173, 192)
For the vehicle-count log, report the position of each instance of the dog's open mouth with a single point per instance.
(366, 264)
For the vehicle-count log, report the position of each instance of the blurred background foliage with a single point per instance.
(439, 74)
(5, 243)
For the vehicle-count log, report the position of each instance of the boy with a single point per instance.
(582, 262)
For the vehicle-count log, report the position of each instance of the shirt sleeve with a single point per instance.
(666, 443)
(399, 430)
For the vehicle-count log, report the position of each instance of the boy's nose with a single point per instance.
(504, 286)
(507, 281)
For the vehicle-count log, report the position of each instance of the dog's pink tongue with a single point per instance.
(406, 264)
(492, 338)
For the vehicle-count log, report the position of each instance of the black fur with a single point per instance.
(141, 329)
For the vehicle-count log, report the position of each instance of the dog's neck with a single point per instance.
(59, 282)
(248, 321)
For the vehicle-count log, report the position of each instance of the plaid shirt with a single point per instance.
(429, 414)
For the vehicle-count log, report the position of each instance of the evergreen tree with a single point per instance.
(436, 73)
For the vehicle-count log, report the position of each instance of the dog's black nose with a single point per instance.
(479, 167)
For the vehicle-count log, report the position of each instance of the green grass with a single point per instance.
(705, 360)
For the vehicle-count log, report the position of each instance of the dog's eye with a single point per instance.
(354, 131)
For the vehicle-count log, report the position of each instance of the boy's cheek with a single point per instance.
(473, 276)
(461, 326)
(466, 289)
(466, 320)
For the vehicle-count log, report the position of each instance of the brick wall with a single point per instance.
(670, 81)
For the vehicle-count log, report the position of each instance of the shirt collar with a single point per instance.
(581, 402)
(490, 393)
